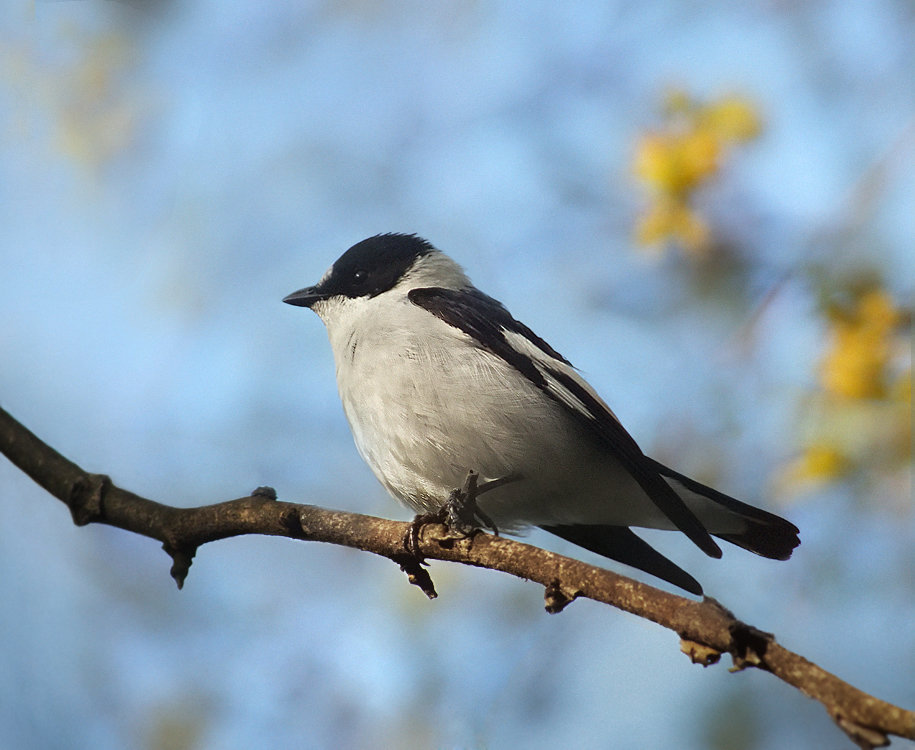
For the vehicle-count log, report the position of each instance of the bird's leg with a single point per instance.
(461, 509)
(460, 513)
(411, 540)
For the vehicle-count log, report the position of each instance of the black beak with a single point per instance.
(305, 297)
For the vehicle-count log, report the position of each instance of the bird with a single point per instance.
(439, 382)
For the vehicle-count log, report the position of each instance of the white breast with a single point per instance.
(426, 404)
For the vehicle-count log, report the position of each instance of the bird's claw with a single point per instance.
(460, 513)
(411, 540)
(463, 514)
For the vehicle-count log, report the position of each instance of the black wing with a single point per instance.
(765, 533)
(620, 543)
(488, 322)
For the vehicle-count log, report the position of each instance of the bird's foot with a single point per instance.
(411, 540)
(460, 513)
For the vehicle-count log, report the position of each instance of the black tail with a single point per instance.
(765, 534)
(621, 544)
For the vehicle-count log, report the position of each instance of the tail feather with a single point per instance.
(762, 541)
(746, 526)
(764, 533)
(621, 544)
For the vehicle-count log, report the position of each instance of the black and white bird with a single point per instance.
(437, 379)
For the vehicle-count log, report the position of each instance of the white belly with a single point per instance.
(425, 413)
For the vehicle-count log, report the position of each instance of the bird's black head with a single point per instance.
(368, 268)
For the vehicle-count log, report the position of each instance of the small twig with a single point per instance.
(706, 629)
(416, 573)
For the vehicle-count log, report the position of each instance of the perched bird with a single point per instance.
(437, 379)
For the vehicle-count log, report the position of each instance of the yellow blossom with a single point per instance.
(653, 162)
(817, 465)
(674, 163)
(685, 154)
(901, 394)
(699, 153)
(820, 462)
(902, 389)
(860, 421)
(673, 220)
(732, 118)
(861, 348)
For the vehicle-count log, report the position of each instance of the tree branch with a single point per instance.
(706, 628)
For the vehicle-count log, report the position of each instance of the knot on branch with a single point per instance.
(86, 496)
(291, 520)
(556, 599)
(265, 492)
(748, 645)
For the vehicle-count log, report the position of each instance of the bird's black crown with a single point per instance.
(375, 265)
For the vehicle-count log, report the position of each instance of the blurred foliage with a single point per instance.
(74, 93)
(97, 117)
(687, 152)
(858, 422)
(736, 725)
(862, 347)
(176, 726)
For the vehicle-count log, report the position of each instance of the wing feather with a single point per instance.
(490, 324)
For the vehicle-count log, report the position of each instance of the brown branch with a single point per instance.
(706, 629)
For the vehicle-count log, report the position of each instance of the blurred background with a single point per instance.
(707, 207)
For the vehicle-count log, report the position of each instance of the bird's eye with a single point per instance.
(360, 275)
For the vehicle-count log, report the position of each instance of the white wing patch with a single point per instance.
(546, 365)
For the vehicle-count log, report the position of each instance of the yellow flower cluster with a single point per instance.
(862, 345)
(92, 110)
(96, 112)
(818, 462)
(862, 419)
(677, 160)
